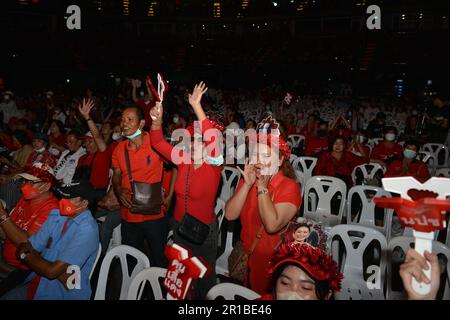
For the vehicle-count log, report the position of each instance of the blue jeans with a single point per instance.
(106, 228)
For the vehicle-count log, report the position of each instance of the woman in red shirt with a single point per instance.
(409, 165)
(387, 151)
(337, 162)
(196, 185)
(265, 200)
(57, 138)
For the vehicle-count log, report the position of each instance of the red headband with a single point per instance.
(216, 125)
(316, 262)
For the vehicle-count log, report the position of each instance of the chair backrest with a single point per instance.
(230, 180)
(366, 216)
(219, 210)
(229, 291)
(222, 261)
(305, 165)
(295, 139)
(368, 170)
(356, 241)
(99, 253)
(429, 159)
(394, 256)
(439, 151)
(292, 158)
(151, 275)
(443, 172)
(121, 252)
(322, 208)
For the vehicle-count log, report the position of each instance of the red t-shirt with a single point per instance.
(291, 129)
(327, 165)
(146, 166)
(306, 131)
(315, 146)
(417, 169)
(381, 152)
(203, 181)
(28, 216)
(99, 163)
(145, 106)
(281, 190)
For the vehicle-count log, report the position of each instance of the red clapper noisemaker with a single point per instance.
(162, 89)
(182, 270)
(421, 207)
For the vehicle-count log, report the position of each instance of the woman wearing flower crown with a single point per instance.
(266, 199)
(302, 272)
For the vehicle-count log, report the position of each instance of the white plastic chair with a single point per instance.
(443, 172)
(120, 252)
(305, 166)
(354, 287)
(368, 170)
(170, 237)
(99, 253)
(429, 159)
(366, 216)
(292, 158)
(436, 149)
(326, 188)
(404, 243)
(373, 142)
(219, 210)
(222, 261)
(296, 139)
(151, 275)
(116, 239)
(230, 179)
(229, 291)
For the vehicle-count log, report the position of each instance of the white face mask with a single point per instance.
(141, 93)
(389, 136)
(116, 136)
(290, 295)
(175, 120)
(40, 150)
(361, 139)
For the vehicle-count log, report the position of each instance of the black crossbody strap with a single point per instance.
(127, 160)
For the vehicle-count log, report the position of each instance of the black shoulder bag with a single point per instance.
(146, 197)
(191, 228)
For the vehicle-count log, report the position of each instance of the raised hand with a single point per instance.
(249, 174)
(156, 113)
(134, 83)
(86, 107)
(196, 96)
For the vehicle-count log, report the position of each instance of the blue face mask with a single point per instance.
(134, 135)
(217, 161)
(409, 154)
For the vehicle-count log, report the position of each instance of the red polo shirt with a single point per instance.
(281, 190)
(203, 181)
(327, 165)
(315, 146)
(383, 153)
(28, 217)
(99, 163)
(146, 166)
(417, 169)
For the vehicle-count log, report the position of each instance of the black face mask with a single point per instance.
(322, 133)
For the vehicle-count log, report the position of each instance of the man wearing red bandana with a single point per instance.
(25, 220)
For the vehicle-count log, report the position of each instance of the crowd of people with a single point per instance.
(68, 161)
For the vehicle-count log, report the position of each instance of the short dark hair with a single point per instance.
(381, 115)
(60, 125)
(322, 123)
(322, 287)
(412, 142)
(139, 112)
(77, 134)
(390, 128)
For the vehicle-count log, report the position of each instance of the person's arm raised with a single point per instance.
(85, 109)
(133, 90)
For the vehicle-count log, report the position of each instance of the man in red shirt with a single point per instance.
(316, 144)
(25, 220)
(144, 101)
(147, 167)
(387, 151)
(409, 165)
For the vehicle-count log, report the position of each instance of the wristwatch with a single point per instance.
(24, 254)
(263, 191)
